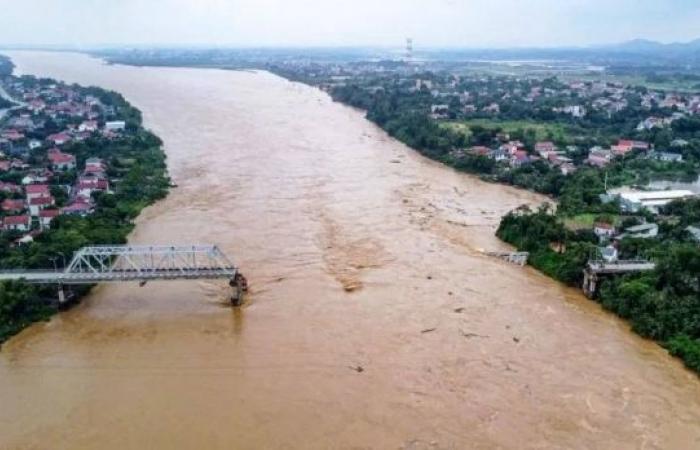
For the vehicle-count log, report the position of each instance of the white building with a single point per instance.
(116, 125)
(651, 200)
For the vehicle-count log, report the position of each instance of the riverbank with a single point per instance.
(123, 173)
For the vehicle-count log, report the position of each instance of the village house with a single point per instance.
(519, 158)
(545, 148)
(46, 216)
(567, 168)
(59, 139)
(650, 200)
(643, 231)
(576, 111)
(38, 204)
(625, 146)
(116, 125)
(604, 230)
(10, 188)
(499, 154)
(88, 125)
(37, 176)
(650, 123)
(37, 191)
(95, 166)
(80, 207)
(86, 185)
(13, 205)
(598, 157)
(666, 156)
(439, 111)
(17, 223)
(61, 161)
(493, 108)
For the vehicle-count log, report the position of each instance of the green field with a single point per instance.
(543, 131)
(671, 84)
(586, 221)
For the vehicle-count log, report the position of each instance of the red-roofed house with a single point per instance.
(519, 158)
(59, 138)
(78, 208)
(86, 186)
(94, 166)
(13, 206)
(5, 165)
(61, 161)
(37, 191)
(46, 216)
(625, 146)
(17, 223)
(36, 205)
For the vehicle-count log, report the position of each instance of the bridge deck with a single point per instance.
(41, 277)
(106, 264)
(600, 267)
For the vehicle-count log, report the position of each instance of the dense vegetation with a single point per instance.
(663, 305)
(136, 164)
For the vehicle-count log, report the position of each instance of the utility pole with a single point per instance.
(606, 181)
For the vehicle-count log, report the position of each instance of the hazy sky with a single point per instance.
(456, 23)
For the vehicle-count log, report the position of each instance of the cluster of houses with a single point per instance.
(515, 154)
(32, 206)
(34, 156)
(610, 236)
(600, 157)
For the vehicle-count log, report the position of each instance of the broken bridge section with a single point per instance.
(596, 269)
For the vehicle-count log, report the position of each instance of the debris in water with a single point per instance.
(430, 277)
(428, 330)
(358, 369)
(473, 335)
(459, 310)
(449, 293)
(352, 286)
(515, 339)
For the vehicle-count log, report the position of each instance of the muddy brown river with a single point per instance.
(360, 253)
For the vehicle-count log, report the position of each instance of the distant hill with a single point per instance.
(648, 46)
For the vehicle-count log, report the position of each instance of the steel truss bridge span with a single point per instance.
(142, 263)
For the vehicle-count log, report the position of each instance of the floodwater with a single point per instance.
(360, 254)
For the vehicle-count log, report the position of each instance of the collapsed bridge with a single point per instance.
(141, 263)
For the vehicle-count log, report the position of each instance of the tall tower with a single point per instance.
(409, 50)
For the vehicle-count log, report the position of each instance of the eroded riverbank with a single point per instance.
(311, 199)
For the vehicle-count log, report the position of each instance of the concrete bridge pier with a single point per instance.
(240, 286)
(61, 295)
(590, 283)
